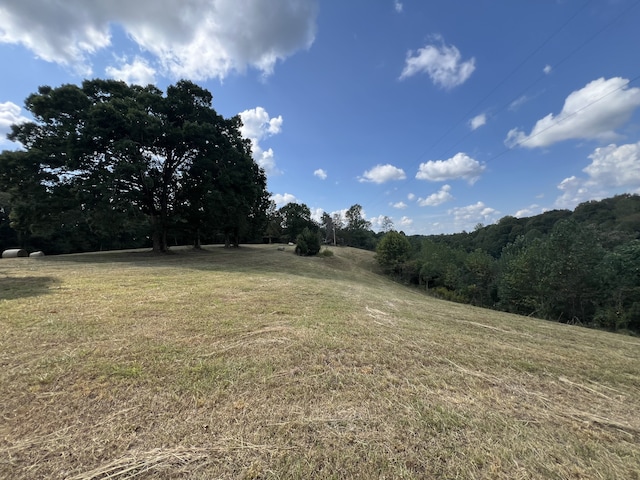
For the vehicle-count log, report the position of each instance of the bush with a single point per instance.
(326, 253)
(450, 295)
(308, 243)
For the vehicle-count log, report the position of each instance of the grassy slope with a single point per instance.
(256, 363)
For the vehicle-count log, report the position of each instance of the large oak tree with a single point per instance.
(117, 156)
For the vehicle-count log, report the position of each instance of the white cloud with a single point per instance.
(593, 112)
(321, 174)
(406, 222)
(199, 39)
(376, 222)
(443, 63)
(547, 69)
(528, 211)
(518, 102)
(411, 196)
(398, 6)
(473, 214)
(282, 199)
(257, 126)
(399, 205)
(576, 190)
(477, 121)
(441, 196)
(316, 214)
(613, 168)
(10, 114)
(459, 166)
(382, 174)
(138, 72)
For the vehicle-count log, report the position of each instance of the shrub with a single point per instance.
(450, 295)
(308, 243)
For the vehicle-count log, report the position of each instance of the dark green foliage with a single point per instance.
(294, 218)
(621, 271)
(357, 232)
(558, 278)
(108, 164)
(8, 236)
(579, 267)
(393, 251)
(308, 242)
(478, 278)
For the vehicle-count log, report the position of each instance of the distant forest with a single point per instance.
(580, 267)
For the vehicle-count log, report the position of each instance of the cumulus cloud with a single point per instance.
(459, 166)
(441, 196)
(411, 196)
(593, 112)
(10, 114)
(377, 222)
(477, 121)
(257, 125)
(528, 211)
(473, 214)
(199, 39)
(382, 174)
(443, 63)
(547, 69)
(575, 191)
(399, 205)
(398, 6)
(316, 214)
(321, 174)
(138, 72)
(612, 168)
(282, 199)
(405, 222)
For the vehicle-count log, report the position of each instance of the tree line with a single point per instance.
(106, 165)
(580, 267)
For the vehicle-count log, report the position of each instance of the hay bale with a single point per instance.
(39, 253)
(14, 252)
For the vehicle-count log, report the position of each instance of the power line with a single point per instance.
(559, 121)
(539, 77)
(556, 66)
(507, 77)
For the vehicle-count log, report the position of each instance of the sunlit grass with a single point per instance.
(257, 363)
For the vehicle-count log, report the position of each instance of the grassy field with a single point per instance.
(255, 363)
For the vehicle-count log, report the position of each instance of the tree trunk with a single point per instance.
(197, 243)
(159, 234)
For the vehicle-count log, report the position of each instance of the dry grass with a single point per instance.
(255, 363)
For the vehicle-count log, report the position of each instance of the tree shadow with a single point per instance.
(20, 287)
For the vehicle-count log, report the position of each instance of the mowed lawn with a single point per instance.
(256, 363)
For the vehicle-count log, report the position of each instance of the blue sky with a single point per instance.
(440, 115)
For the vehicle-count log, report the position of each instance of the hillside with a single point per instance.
(256, 363)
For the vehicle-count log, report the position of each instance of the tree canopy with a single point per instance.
(107, 159)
